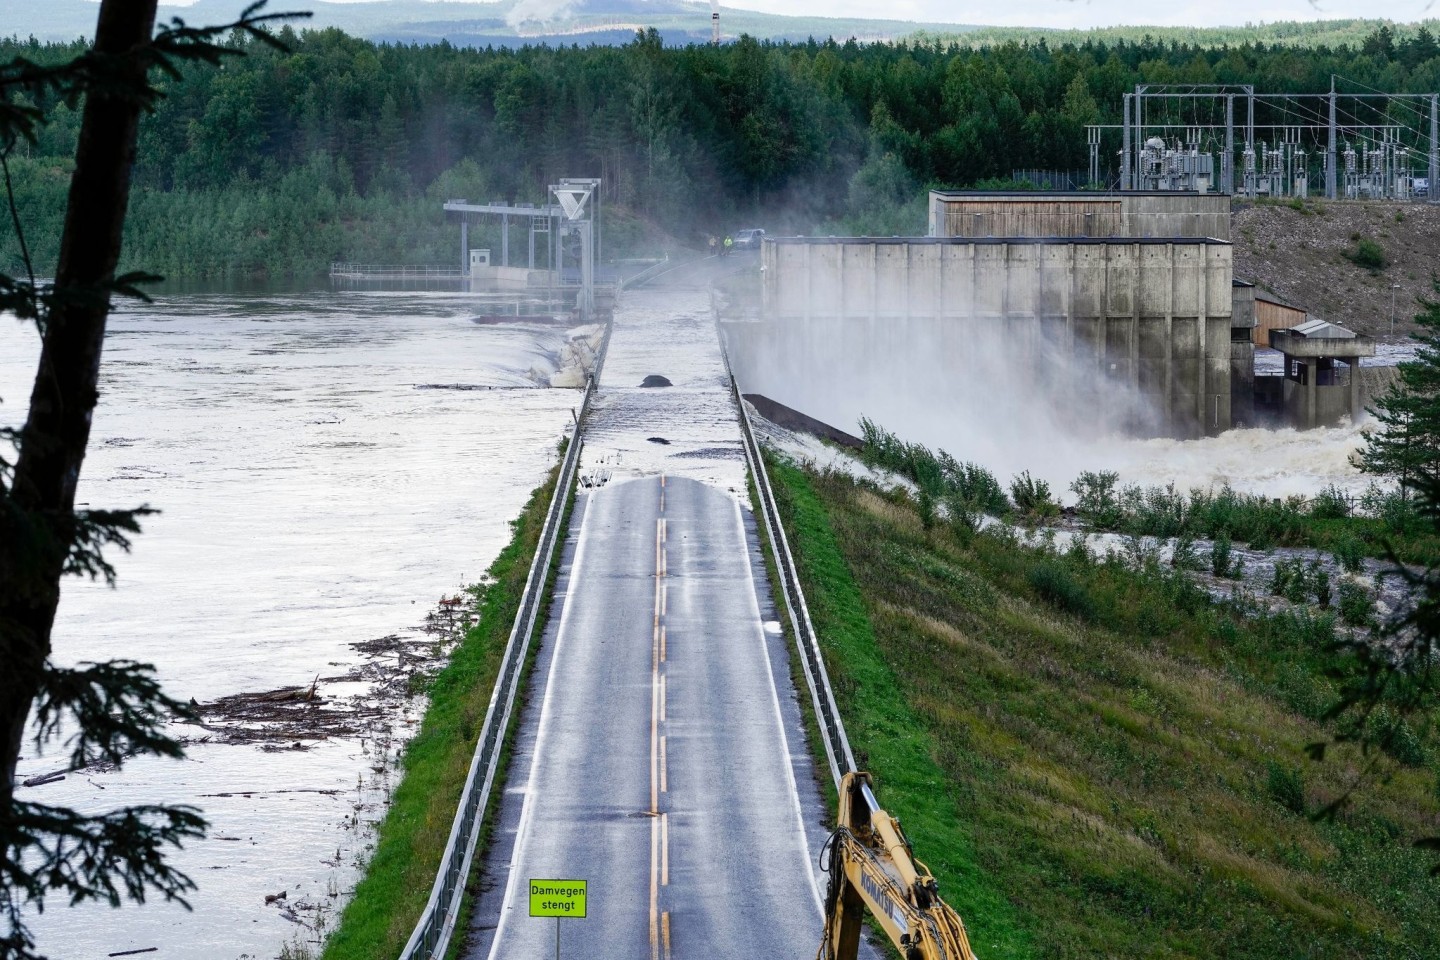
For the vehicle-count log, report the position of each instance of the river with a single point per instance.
(328, 465)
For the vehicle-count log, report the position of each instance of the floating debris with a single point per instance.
(293, 718)
(655, 380)
(43, 779)
(455, 386)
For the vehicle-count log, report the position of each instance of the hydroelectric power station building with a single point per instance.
(1113, 310)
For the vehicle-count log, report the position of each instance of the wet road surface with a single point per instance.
(661, 755)
(661, 770)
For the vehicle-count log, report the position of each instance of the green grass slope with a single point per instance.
(1100, 762)
(889, 735)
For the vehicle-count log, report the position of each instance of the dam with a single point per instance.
(1090, 312)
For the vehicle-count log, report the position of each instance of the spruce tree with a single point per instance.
(109, 711)
(1407, 445)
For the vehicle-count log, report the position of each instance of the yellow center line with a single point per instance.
(654, 747)
(654, 891)
(660, 822)
(657, 690)
(664, 849)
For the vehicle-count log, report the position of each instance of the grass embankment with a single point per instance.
(379, 919)
(887, 734)
(1099, 761)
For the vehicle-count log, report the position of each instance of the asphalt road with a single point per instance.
(660, 764)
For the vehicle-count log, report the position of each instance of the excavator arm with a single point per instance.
(872, 867)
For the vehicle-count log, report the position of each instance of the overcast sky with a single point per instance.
(1092, 13)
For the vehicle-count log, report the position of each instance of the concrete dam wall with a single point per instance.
(1085, 334)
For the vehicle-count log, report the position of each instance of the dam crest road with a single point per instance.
(661, 754)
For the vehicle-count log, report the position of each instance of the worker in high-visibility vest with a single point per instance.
(728, 244)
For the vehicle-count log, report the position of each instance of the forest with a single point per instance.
(338, 148)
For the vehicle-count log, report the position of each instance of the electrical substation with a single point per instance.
(1355, 145)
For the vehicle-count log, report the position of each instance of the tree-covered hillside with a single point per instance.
(1289, 33)
(343, 149)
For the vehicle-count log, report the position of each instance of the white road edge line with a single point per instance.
(522, 832)
(794, 790)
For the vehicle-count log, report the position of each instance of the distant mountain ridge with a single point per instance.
(502, 22)
(510, 23)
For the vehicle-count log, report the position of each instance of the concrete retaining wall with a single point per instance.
(1331, 403)
(1126, 333)
(1242, 383)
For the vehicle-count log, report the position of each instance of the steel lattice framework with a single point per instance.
(1362, 145)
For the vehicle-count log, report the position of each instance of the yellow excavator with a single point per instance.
(872, 866)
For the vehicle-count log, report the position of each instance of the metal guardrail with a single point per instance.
(387, 271)
(400, 271)
(649, 273)
(822, 697)
(436, 925)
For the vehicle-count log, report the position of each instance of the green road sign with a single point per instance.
(557, 898)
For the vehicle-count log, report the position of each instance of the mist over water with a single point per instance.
(1275, 463)
(1011, 406)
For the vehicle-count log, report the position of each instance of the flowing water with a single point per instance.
(1276, 463)
(328, 465)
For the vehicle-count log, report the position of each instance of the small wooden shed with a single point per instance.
(1272, 313)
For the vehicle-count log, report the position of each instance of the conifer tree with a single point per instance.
(1407, 445)
(104, 711)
